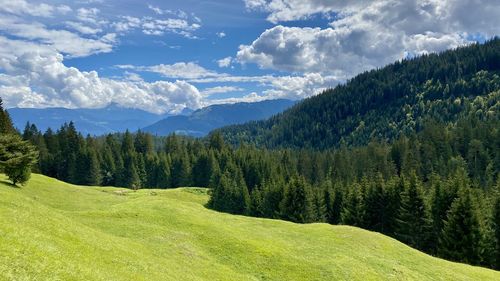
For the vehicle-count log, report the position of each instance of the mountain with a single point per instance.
(202, 121)
(385, 103)
(68, 232)
(88, 121)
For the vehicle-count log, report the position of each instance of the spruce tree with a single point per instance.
(297, 202)
(334, 199)
(352, 209)
(496, 227)
(461, 235)
(16, 158)
(6, 126)
(412, 223)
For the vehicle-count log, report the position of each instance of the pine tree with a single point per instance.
(130, 176)
(441, 201)
(318, 206)
(16, 158)
(353, 210)
(377, 203)
(6, 126)
(93, 172)
(496, 227)
(334, 200)
(461, 235)
(297, 202)
(412, 224)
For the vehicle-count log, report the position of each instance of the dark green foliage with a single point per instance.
(412, 223)
(461, 235)
(496, 227)
(297, 205)
(383, 103)
(229, 192)
(16, 158)
(6, 126)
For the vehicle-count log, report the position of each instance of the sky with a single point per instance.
(164, 56)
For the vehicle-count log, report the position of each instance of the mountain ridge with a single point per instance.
(202, 121)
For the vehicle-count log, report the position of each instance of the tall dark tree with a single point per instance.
(297, 202)
(6, 126)
(461, 236)
(496, 227)
(413, 225)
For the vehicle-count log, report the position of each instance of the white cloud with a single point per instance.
(289, 87)
(252, 97)
(157, 10)
(37, 77)
(62, 40)
(364, 34)
(221, 34)
(180, 70)
(225, 62)
(220, 90)
(20, 7)
(82, 28)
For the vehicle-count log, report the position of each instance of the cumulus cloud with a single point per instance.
(221, 34)
(289, 87)
(225, 62)
(364, 34)
(180, 70)
(220, 90)
(37, 77)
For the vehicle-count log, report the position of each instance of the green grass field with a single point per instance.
(50, 230)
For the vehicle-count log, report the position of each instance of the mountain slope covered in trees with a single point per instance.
(383, 103)
(55, 231)
(202, 121)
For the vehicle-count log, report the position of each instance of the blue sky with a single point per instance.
(163, 56)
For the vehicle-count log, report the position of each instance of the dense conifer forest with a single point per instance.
(383, 103)
(411, 151)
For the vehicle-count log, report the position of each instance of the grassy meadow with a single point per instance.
(50, 230)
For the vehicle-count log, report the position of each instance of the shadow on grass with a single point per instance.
(8, 183)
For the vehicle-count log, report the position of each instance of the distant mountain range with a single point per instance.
(88, 121)
(117, 119)
(202, 121)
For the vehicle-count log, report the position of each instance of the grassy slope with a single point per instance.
(51, 230)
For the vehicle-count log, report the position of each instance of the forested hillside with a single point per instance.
(383, 103)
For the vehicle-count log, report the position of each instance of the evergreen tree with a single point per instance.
(496, 227)
(6, 126)
(353, 209)
(334, 200)
(461, 236)
(412, 226)
(16, 158)
(297, 202)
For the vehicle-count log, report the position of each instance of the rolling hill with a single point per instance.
(202, 121)
(50, 230)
